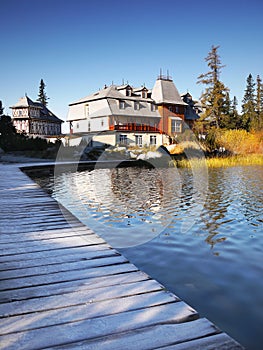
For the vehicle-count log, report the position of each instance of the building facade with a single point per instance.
(123, 115)
(35, 119)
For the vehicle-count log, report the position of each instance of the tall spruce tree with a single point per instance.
(235, 117)
(1, 108)
(231, 117)
(249, 115)
(214, 98)
(42, 96)
(259, 103)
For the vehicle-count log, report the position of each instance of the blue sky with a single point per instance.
(77, 46)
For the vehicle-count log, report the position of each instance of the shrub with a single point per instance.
(240, 141)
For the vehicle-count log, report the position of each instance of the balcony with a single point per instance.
(134, 127)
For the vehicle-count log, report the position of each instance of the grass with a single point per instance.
(217, 162)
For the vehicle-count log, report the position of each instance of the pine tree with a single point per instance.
(249, 115)
(230, 118)
(235, 117)
(259, 103)
(42, 96)
(1, 108)
(215, 96)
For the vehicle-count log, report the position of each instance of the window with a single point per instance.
(86, 110)
(170, 108)
(176, 109)
(176, 125)
(144, 94)
(136, 105)
(102, 122)
(128, 92)
(121, 104)
(88, 126)
(153, 107)
(152, 140)
(123, 139)
(138, 140)
(77, 125)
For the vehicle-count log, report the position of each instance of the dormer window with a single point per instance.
(122, 104)
(128, 92)
(153, 107)
(86, 110)
(136, 105)
(144, 94)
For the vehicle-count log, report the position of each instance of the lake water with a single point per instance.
(201, 237)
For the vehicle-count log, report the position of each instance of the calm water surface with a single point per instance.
(214, 264)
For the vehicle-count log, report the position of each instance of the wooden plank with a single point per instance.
(54, 243)
(57, 259)
(66, 266)
(66, 276)
(71, 286)
(39, 227)
(91, 309)
(220, 341)
(35, 221)
(27, 229)
(39, 235)
(143, 329)
(49, 253)
(78, 297)
(29, 244)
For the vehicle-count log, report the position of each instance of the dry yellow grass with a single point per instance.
(217, 162)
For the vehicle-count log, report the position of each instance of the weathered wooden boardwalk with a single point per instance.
(63, 287)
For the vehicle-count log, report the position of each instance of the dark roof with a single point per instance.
(45, 113)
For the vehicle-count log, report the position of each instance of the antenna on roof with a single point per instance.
(112, 82)
(25, 94)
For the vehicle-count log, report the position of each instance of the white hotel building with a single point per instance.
(123, 115)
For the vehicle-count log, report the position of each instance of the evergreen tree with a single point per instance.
(42, 96)
(259, 96)
(1, 108)
(249, 115)
(215, 96)
(259, 103)
(226, 121)
(235, 117)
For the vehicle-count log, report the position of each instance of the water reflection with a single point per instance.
(138, 203)
(162, 200)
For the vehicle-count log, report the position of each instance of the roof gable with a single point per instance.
(164, 91)
(25, 102)
(45, 113)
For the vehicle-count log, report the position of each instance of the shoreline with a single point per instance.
(219, 161)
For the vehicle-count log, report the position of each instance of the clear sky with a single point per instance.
(77, 46)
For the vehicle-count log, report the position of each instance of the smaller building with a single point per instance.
(193, 109)
(35, 119)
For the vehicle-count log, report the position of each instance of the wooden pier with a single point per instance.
(64, 287)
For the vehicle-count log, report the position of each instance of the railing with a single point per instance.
(134, 127)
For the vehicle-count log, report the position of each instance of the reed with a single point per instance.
(217, 162)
